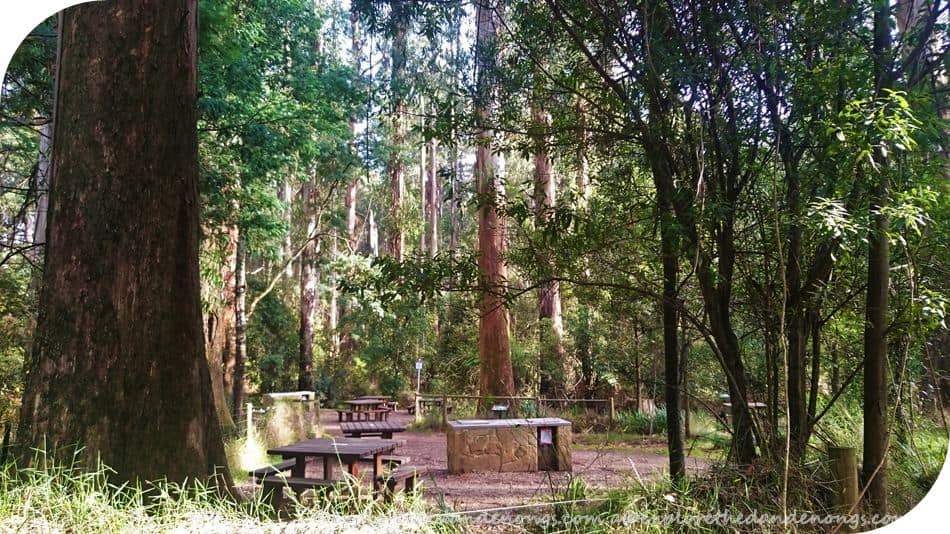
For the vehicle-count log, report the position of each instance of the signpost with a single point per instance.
(418, 387)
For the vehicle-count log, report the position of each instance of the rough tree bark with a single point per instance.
(552, 356)
(118, 367)
(494, 350)
(219, 329)
(394, 165)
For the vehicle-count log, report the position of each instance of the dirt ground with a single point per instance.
(600, 468)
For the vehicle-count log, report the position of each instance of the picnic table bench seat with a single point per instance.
(345, 414)
(274, 485)
(409, 474)
(275, 469)
(358, 429)
(392, 462)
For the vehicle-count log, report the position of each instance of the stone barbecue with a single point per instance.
(539, 444)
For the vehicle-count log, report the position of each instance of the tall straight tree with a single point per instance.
(118, 367)
(494, 350)
(398, 89)
(876, 429)
(552, 356)
(308, 290)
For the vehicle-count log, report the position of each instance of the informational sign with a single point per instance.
(545, 436)
(418, 365)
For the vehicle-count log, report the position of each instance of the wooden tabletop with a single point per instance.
(371, 426)
(368, 397)
(335, 447)
(364, 402)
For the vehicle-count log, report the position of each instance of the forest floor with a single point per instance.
(601, 467)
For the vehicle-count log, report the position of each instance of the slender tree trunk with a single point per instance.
(684, 355)
(42, 183)
(240, 327)
(876, 428)
(118, 372)
(395, 170)
(373, 234)
(495, 371)
(674, 431)
(285, 191)
(308, 293)
(434, 199)
(815, 369)
(637, 376)
(423, 183)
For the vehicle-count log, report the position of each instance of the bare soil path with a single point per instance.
(599, 467)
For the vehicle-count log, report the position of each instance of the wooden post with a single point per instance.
(250, 421)
(844, 469)
(537, 406)
(417, 413)
(613, 412)
(445, 411)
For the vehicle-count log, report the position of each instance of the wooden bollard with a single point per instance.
(445, 411)
(844, 469)
(613, 412)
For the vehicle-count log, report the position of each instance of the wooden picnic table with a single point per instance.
(344, 451)
(363, 409)
(384, 429)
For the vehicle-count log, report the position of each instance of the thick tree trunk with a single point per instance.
(394, 165)
(552, 357)
(308, 294)
(118, 372)
(495, 371)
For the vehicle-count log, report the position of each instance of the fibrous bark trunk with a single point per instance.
(219, 329)
(118, 372)
(495, 372)
(552, 357)
(394, 165)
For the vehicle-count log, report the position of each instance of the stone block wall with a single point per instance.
(493, 449)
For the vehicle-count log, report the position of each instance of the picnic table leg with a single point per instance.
(327, 468)
(353, 466)
(377, 468)
(387, 435)
(299, 470)
(275, 494)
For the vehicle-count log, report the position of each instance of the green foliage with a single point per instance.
(272, 345)
(640, 422)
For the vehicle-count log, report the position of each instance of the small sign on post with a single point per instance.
(418, 388)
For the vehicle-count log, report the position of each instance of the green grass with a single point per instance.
(69, 499)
